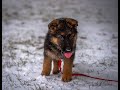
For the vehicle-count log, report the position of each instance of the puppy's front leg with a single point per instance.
(67, 70)
(46, 66)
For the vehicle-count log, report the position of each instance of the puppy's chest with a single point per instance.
(53, 55)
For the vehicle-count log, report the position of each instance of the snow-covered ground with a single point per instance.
(24, 27)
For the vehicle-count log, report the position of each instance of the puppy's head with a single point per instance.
(64, 33)
(62, 23)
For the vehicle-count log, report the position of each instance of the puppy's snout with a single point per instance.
(68, 49)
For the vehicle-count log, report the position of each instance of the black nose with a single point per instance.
(68, 49)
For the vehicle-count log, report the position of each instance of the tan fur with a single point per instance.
(67, 70)
(55, 40)
(46, 66)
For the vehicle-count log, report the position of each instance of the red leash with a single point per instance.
(78, 74)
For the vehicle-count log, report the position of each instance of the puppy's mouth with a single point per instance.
(68, 54)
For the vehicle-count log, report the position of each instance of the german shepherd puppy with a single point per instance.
(60, 43)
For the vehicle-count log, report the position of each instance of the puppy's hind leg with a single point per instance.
(55, 68)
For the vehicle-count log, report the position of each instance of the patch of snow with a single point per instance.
(25, 24)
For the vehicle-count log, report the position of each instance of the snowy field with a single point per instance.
(24, 24)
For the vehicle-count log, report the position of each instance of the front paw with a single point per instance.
(46, 73)
(66, 78)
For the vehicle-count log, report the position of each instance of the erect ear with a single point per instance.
(72, 22)
(52, 26)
